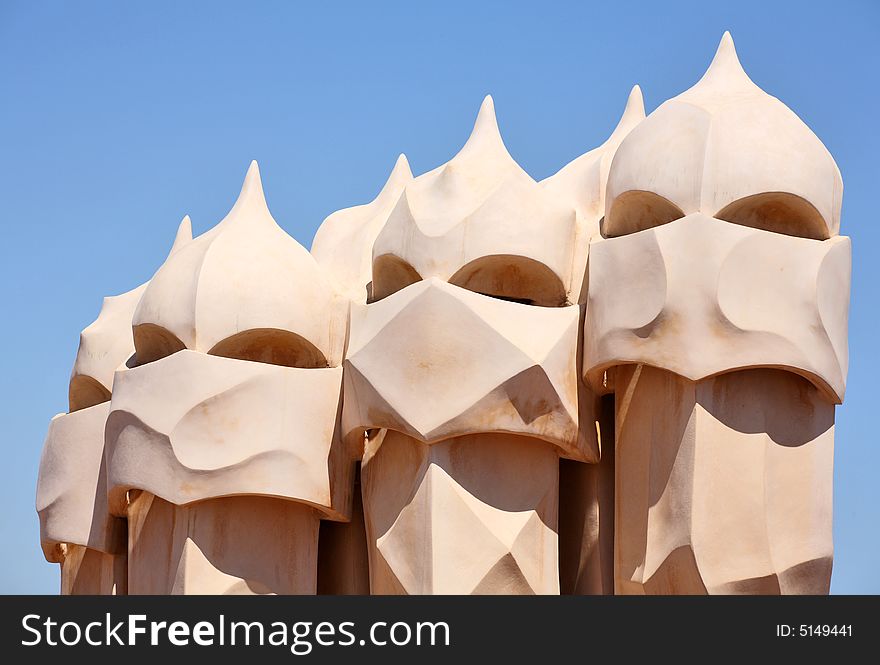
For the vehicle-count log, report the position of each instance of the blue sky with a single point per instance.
(116, 119)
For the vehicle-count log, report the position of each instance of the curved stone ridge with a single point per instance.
(192, 427)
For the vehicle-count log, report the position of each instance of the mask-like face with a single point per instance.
(218, 427)
(700, 296)
(714, 258)
(470, 329)
(467, 352)
(435, 361)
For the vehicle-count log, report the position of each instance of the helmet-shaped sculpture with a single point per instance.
(222, 438)
(717, 313)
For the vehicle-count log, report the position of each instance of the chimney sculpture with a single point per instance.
(462, 361)
(620, 379)
(717, 314)
(222, 444)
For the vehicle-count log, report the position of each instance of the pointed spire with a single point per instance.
(251, 189)
(184, 234)
(486, 120)
(633, 113)
(725, 69)
(399, 175)
(251, 202)
(485, 134)
(635, 105)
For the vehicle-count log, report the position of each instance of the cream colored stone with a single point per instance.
(89, 572)
(700, 297)
(717, 313)
(486, 364)
(473, 222)
(244, 545)
(227, 423)
(456, 375)
(723, 485)
(620, 379)
(245, 276)
(470, 515)
(716, 145)
(191, 427)
(72, 485)
(583, 180)
(76, 527)
(343, 244)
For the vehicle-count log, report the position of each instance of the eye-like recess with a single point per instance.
(152, 342)
(515, 278)
(84, 391)
(391, 274)
(638, 210)
(779, 212)
(271, 346)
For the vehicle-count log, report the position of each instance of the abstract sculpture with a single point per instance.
(620, 379)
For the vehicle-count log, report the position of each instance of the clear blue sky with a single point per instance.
(116, 119)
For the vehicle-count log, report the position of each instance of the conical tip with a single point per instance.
(252, 177)
(184, 233)
(252, 189)
(725, 67)
(401, 168)
(485, 132)
(635, 104)
(633, 114)
(726, 51)
(399, 176)
(486, 122)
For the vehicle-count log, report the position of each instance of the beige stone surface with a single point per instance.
(90, 572)
(714, 147)
(465, 354)
(486, 364)
(717, 314)
(248, 277)
(227, 422)
(343, 244)
(474, 222)
(72, 485)
(620, 379)
(699, 297)
(244, 545)
(76, 527)
(470, 515)
(192, 427)
(723, 485)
